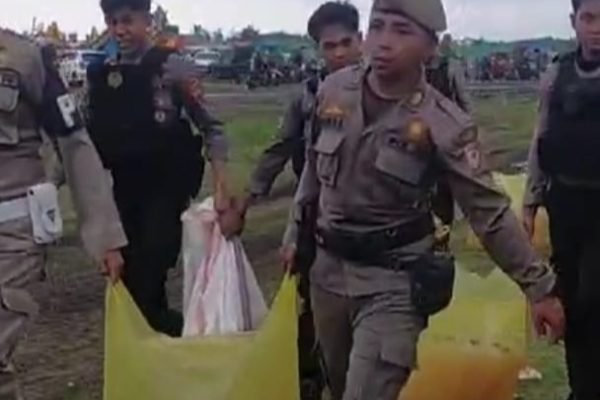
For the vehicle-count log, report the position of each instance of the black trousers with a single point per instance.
(575, 235)
(152, 222)
(312, 380)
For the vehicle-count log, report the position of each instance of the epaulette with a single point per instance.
(453, 110)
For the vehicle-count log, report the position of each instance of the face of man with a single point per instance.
(339, 47)
(129, 28)
(397, 45)
(586, 22)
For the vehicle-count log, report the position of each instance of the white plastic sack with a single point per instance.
(221, 294)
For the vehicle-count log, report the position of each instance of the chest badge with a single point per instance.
(115, 79)
(418, 134)
(333, 116)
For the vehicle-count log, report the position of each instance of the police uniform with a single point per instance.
(447, 77)
(376, 279)
(139, 118)
(33, 97)
(295, 134)
(564, 177)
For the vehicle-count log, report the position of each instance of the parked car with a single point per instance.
(206, 59)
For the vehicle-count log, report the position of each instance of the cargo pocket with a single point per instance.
(400, 350)
(399, 163)
(18, 301)
(328, 158)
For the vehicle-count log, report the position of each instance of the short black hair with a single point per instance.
(333, 13)
(577, 4)
(110, 6)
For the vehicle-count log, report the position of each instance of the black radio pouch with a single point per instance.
(432, 283)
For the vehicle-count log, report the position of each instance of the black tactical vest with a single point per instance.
(308, 109)
(137, 125)
(571, 146)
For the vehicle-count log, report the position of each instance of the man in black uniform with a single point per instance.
(335, 28)
(140, 107)
(564, 177)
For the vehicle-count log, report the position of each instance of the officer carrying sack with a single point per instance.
(136, 122)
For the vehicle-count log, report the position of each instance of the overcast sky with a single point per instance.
(493, 19)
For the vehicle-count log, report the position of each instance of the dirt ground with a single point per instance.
(62, 356)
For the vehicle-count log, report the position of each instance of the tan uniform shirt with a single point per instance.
(293, 135)
(537, 181)
(369, 178)
(21, 108)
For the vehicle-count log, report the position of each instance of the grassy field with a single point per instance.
(506, 127)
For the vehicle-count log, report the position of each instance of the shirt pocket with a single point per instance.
(9, 101)
(328, 156)
(395, 160)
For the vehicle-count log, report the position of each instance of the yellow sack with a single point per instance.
(514, 185)
(472, 351)
(475, 349)
(143, 365)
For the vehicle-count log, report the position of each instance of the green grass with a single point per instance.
(506, 126)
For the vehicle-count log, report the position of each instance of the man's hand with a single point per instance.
(232, 218)
(112, 265)
(529, 215)
(549, 318)
(288, 256)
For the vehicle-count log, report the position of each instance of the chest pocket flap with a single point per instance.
(328, 157)
(396, 160)
(9, 90)
(329, 141)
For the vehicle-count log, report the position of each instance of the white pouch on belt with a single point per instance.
(45, 213)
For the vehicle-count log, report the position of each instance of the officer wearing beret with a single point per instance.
(386, 138)
(564, 177)
(33, 98)
(140, 107)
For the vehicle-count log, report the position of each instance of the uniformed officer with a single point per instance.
(564, 176)
(334, 26)
(33, 97)
(444, 72)
(386, 138)
(140, 108)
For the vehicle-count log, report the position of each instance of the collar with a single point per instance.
(413, 100)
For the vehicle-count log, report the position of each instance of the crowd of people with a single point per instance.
(383, 147)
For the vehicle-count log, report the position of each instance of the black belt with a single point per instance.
(373, 248)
